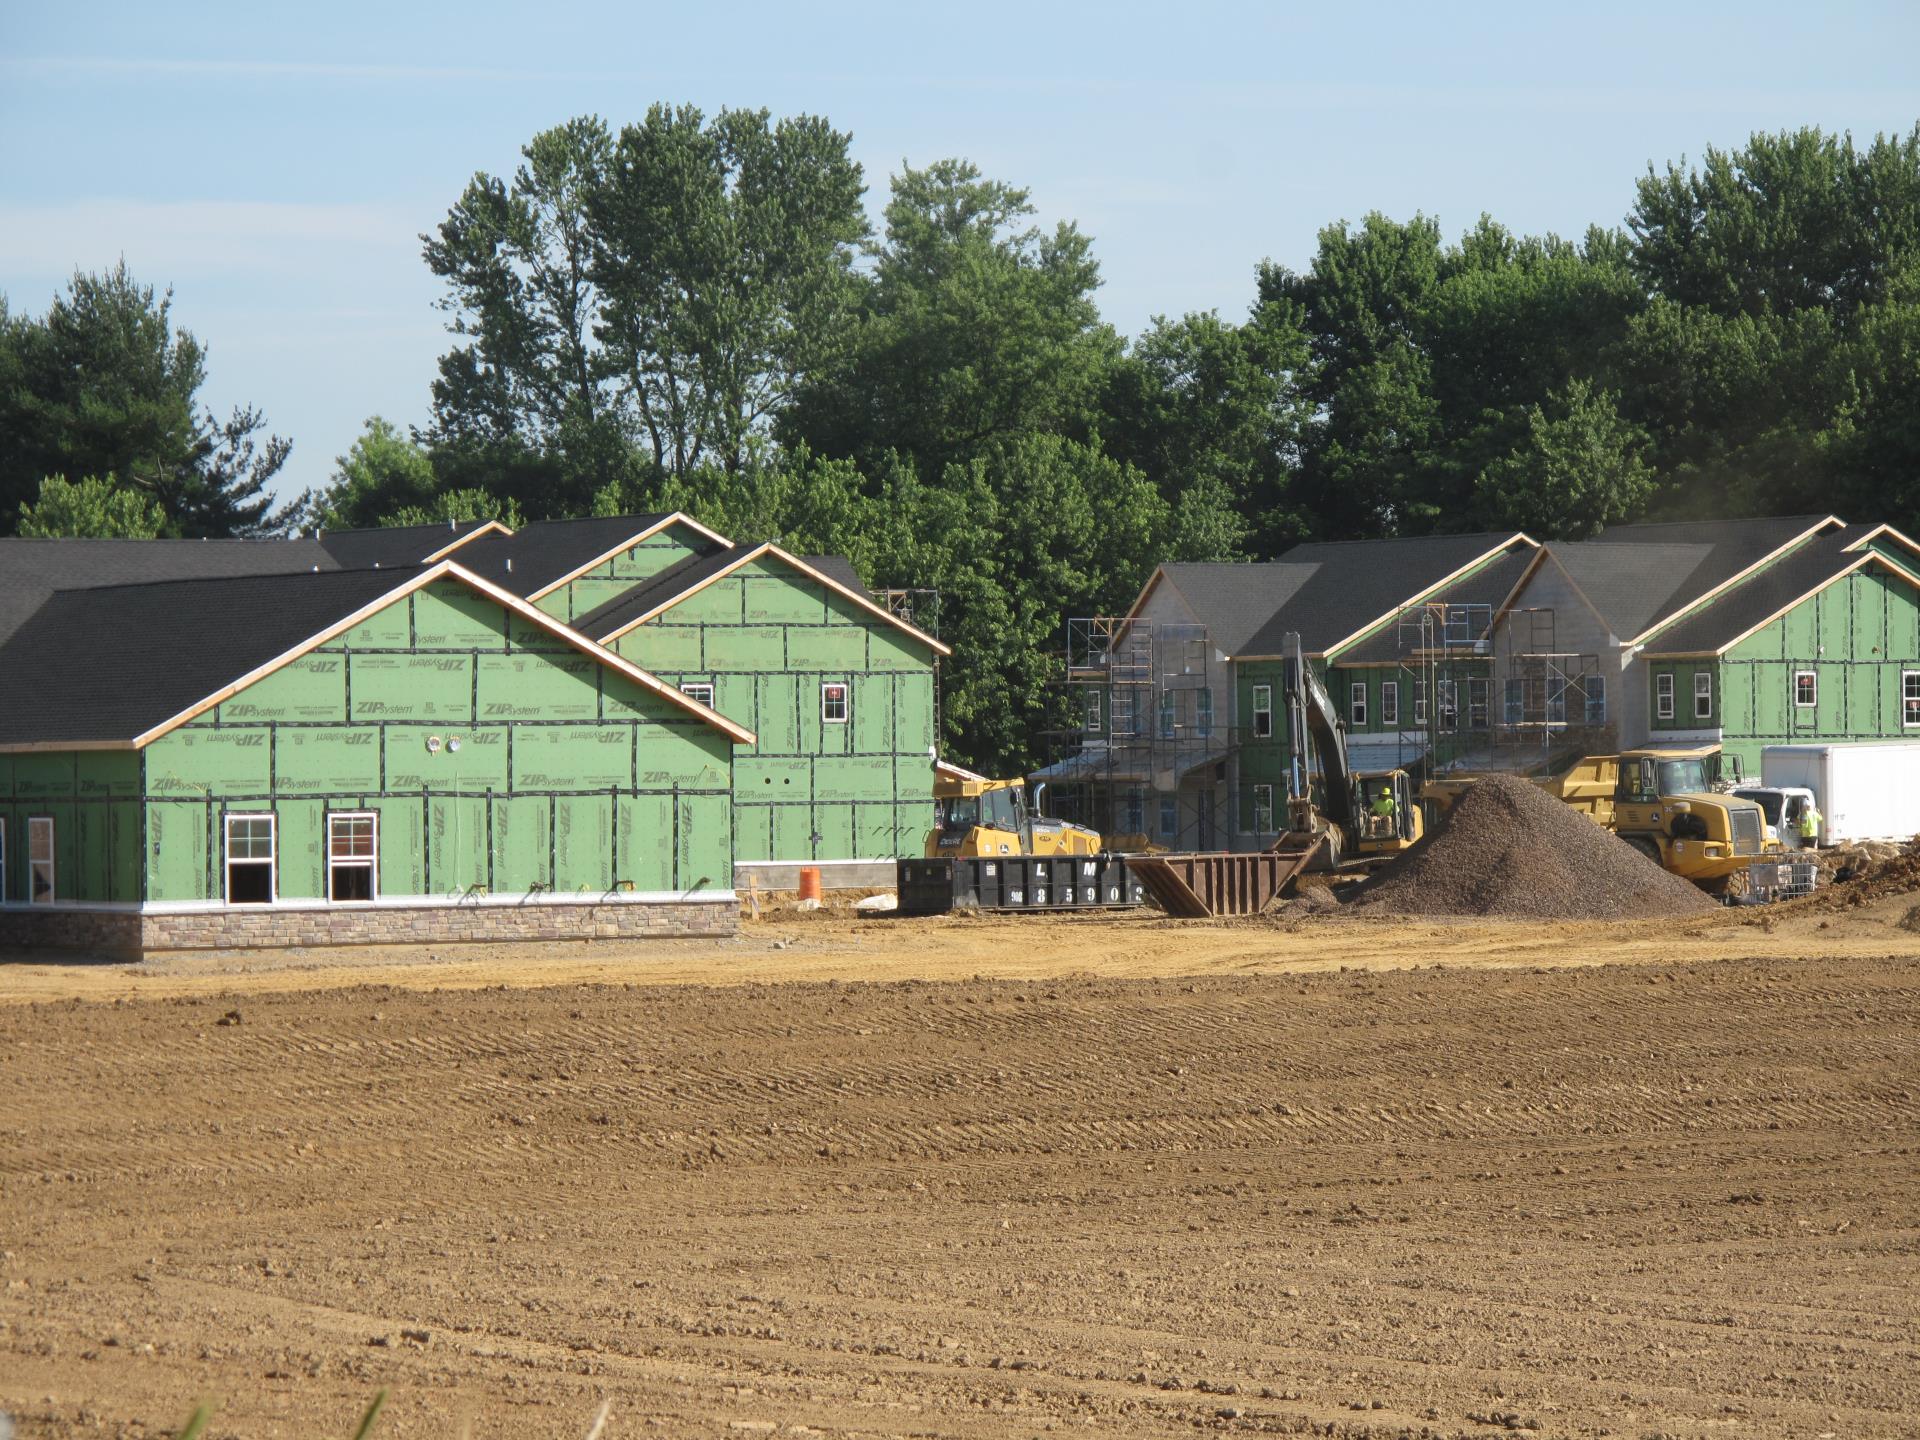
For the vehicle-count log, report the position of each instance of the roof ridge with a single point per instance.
(1403, 539)
(337, 570)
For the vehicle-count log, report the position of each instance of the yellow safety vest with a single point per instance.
(1809, 823)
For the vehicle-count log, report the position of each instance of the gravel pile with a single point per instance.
(1509, 849)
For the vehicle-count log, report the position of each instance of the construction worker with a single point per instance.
(1383, 809)
(1809, 826)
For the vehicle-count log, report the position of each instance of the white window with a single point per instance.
(1477, 703)
(1093, 712)
(1389, 702)
(1449, 696)
(1663, 696)
(1703, 694)
(1263, 810)
(1262, 711)
(40, 867)
(1357, 703)
(250, 860)
(1419, 702)
(1910, 698)
(834, 704)
(701, 690)
(1806, 690)
(353, 855)
(1169, 815)
(1203, 712)
(1596, 700)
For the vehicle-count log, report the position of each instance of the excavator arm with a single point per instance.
(1311, 714)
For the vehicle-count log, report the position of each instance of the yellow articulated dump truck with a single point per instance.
(977, 816)
(1661, 802)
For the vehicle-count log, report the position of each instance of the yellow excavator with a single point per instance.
(978, 816)
(1362, 816)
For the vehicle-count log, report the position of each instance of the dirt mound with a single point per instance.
(1510, 850)
(1867, 880)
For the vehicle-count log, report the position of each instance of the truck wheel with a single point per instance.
(1646, 847)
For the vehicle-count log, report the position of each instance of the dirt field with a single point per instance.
(1135, 1179)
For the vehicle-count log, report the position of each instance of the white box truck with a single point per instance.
(1869, 791)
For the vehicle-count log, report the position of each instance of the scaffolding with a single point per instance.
(1147, 706)
(1494, 691)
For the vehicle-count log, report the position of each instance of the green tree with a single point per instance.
(92, 509)
(978, 328)
(383, 471)
(457, 507)
(1580, 469)
(106, 384)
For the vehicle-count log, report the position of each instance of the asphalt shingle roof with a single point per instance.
(536, 556)
(1638, 576)
(1487, 586)
(112, 662)
(1357, 582)
(1234, 601)
(677, 580)
(1761, 595)
(393, 545)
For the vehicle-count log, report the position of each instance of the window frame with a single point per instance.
(1267, 804)
(1448, 708)
(3, 859)
(1169, 812)
(1703, 693)
(52, 861)
(846, 702)
(1167, 713)
(1263, 712)
(1203, 712)
(1596, 690)
(1812, 680)
(688, 688)
(1390, 703)
(1910, 699)
(1135, 803)
(1420, 702)
(370, 863)
(1479, 702)
(1090, 717)
(1665, 696)
(227, 862)
(1357, 703)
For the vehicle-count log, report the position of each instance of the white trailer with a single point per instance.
(1869, 791)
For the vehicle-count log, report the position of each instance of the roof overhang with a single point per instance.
(1707, 597)
(1870, 557)
(492, 527)
(767, 547)
(440, 570)
(678, 517)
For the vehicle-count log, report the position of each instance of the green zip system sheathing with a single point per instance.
(768, 638)
(633, 566)
(568, 777)
(1858, 638)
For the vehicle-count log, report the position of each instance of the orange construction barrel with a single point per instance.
(809, 882)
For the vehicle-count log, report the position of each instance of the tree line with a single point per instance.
(695, 312)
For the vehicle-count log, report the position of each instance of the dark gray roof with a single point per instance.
(393, 545)
(1761, 595)
(112, 662)
(1359, 581)
(1487, 586)
(1637, 576)
(1234, 601)
(537, 555)
(31, 570)
(677, 580)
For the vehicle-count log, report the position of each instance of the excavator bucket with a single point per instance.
(1196, 887)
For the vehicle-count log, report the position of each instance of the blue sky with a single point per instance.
(276, 165)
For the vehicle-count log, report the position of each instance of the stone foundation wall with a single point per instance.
(133, 933)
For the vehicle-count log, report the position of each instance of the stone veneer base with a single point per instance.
(137, 933)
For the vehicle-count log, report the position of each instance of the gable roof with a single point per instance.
(1641, 577)
(537, 559)
(1360, 585)
(1232, 601)
(650, 598)
(393, 545)
(1769, 593)
(146, 665)
(1488, 586)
